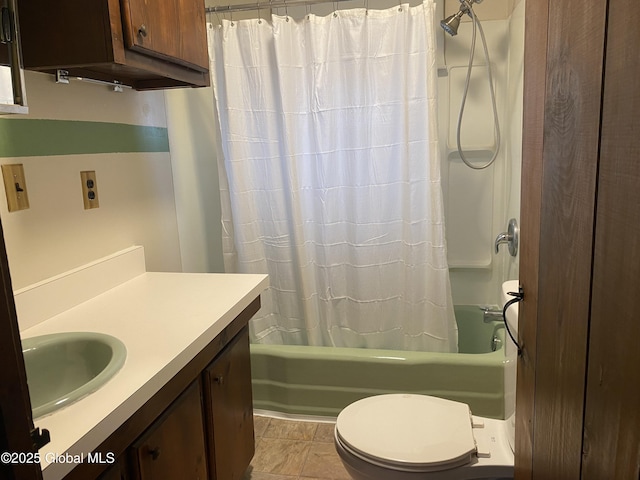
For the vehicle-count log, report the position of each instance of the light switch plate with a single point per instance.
(89, 189)
(15, 187)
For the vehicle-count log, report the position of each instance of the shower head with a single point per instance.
(452, 22)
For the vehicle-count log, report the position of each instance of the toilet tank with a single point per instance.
(511, 358)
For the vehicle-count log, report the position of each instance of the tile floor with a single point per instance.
(294, 450)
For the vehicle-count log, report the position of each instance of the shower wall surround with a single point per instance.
(479, 203)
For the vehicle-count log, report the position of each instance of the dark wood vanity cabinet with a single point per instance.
(174, 446)
(115, 472)
(198, 426)
(229, 408)
(144, 44)
(217, 406)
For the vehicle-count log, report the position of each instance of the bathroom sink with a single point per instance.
(64, 367)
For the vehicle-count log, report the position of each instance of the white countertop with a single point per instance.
(165, 320)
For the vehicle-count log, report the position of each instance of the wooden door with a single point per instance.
(564, 47)
(174, 30)
(230, 409)
(579, 378)
(612, 419)
(16, 420)
(174, 446)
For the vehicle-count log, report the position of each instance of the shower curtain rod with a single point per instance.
(267, 5)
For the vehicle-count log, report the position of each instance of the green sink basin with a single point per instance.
(64, 367)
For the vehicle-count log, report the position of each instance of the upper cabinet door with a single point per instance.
(174, 30)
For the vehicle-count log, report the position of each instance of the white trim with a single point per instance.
(294, 416)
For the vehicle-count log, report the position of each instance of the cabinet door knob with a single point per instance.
(154, 452)
(142, 31)
(219, 379)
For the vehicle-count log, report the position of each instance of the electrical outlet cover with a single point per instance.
(89, 189)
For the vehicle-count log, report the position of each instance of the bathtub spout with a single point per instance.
(491, 315)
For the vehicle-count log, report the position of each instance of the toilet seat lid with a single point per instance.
(408, 432)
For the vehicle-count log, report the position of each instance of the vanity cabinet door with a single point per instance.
(174, 446)
(115, 472)
(229, 406)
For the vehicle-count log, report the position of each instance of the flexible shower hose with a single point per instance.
(478, 26)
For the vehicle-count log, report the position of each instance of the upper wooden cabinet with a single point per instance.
(173, 30)
(147, 45)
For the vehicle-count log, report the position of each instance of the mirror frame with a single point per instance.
(15, 63)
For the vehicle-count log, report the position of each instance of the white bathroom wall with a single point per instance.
(193, 133)
(134, 177)
(479, 204)
(514, 120)
(486, 10)
(474, 199)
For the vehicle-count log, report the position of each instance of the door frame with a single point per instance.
(16, 420)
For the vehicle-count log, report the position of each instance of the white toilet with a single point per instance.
(419, 437)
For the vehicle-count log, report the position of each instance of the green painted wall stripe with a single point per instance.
(30, 137)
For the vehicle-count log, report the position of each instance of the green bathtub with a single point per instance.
(321, 381)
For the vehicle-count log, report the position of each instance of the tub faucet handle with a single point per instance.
(500, 239)
(510, 237)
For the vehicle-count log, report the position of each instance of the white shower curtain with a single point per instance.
(330, 176)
